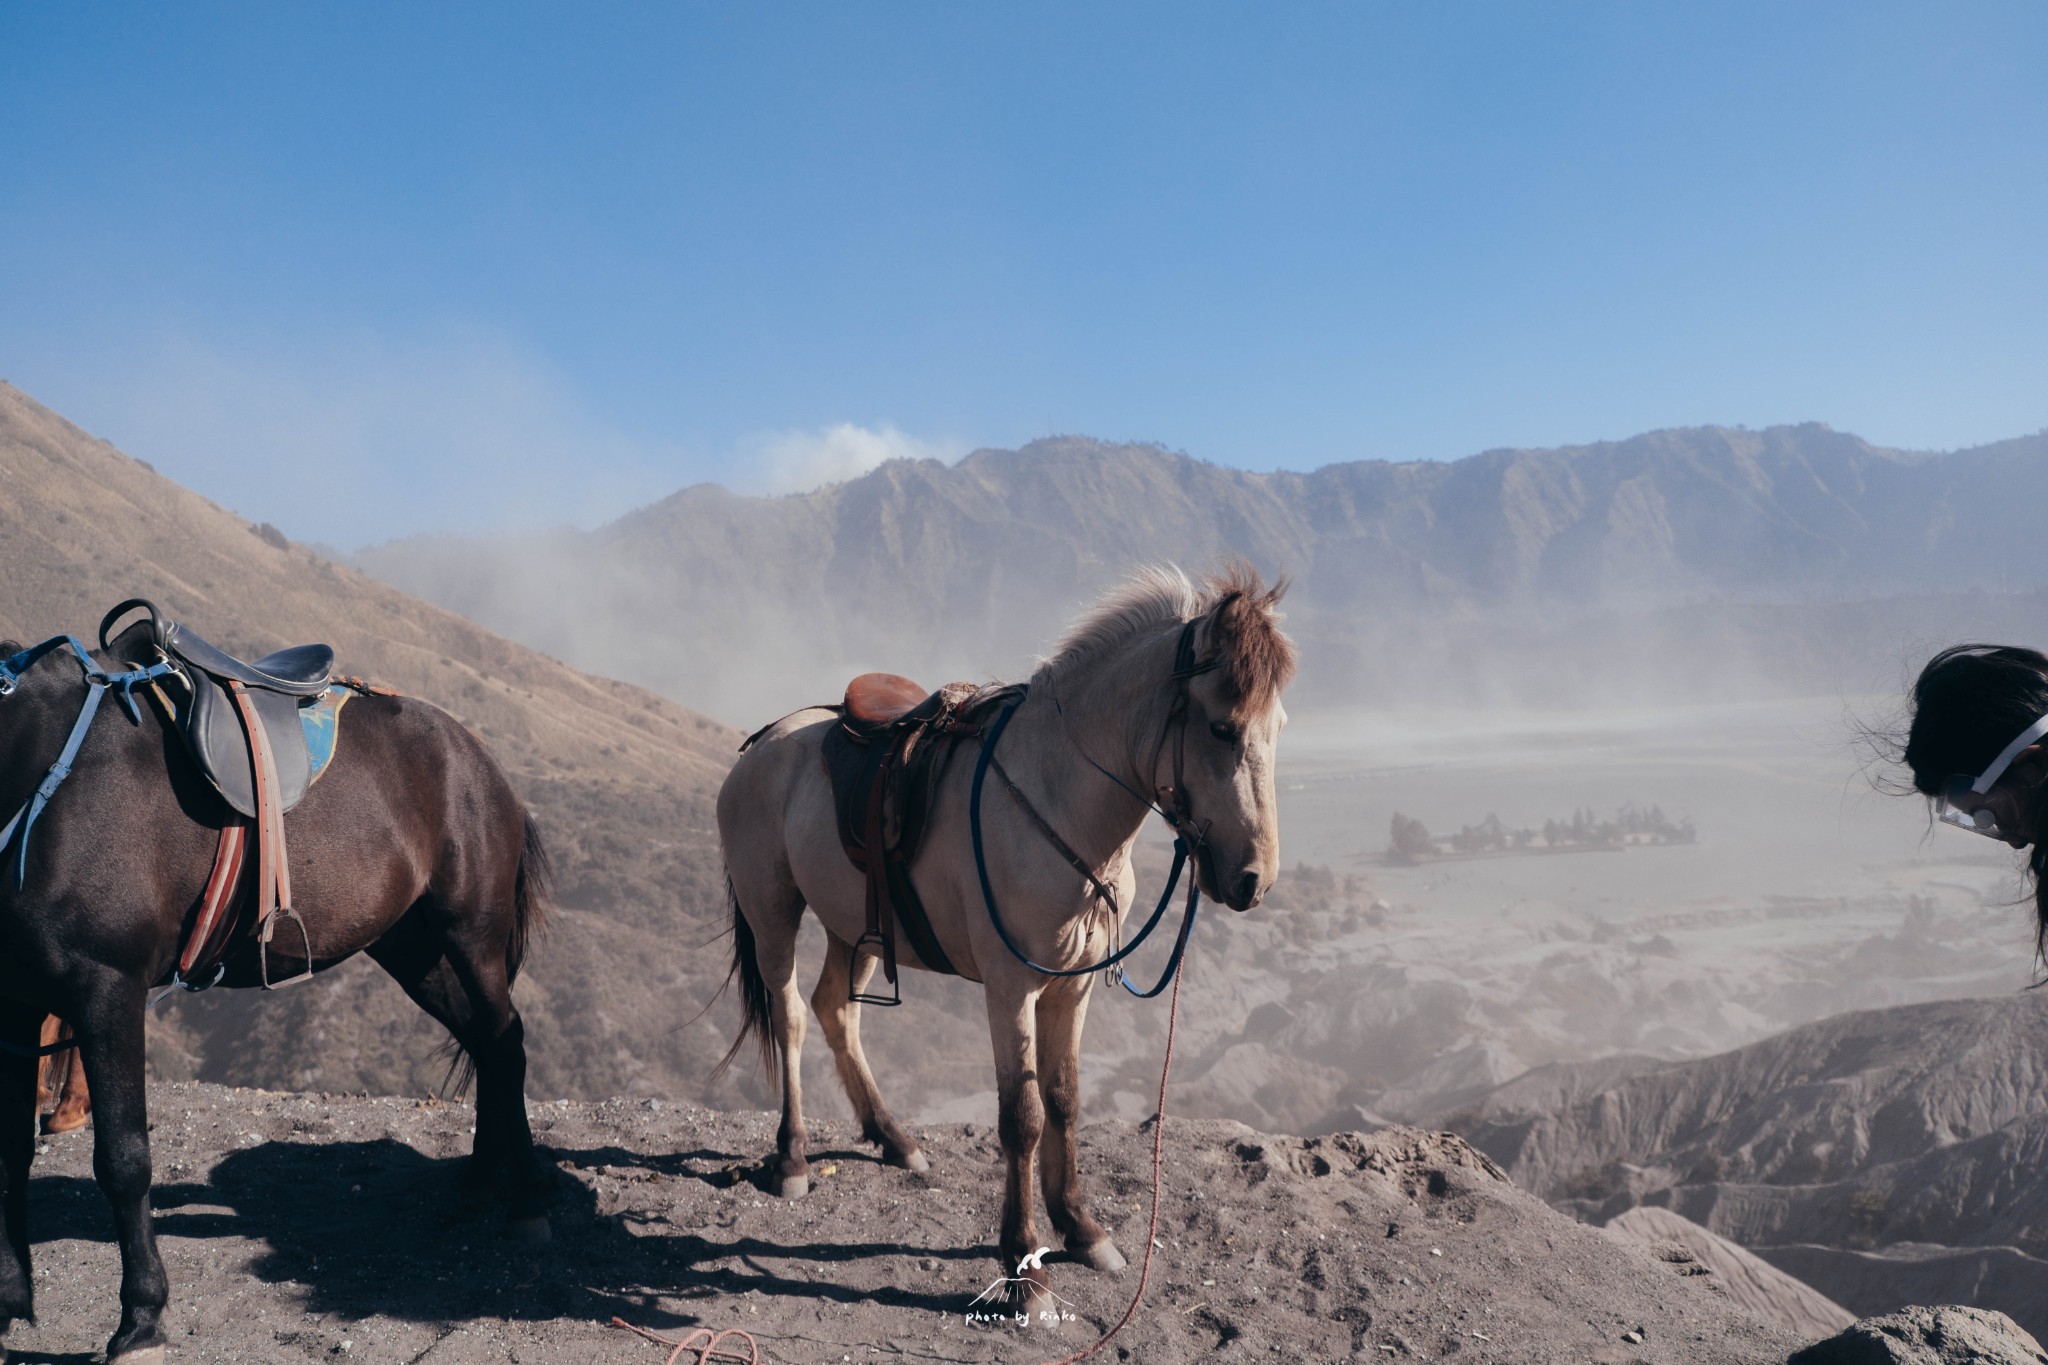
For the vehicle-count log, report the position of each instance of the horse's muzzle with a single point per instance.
(1245, 891)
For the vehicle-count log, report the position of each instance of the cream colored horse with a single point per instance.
(1106, 697)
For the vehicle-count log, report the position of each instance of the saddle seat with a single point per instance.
(876, 699)
(301, 671)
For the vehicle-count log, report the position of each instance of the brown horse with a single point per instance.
(1164, 688)
(413, 848)
(60, 1086)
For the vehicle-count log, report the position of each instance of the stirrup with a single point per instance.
(263, 949)
(881, 950)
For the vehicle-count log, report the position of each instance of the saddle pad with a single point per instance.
(321, 720)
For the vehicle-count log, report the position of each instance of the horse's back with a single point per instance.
(771, 769)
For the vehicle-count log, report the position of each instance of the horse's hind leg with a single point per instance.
(111, 1047)
(469, 994)
(1062, 1007)
(767, 912)
(17, 1149)
(839, 1016)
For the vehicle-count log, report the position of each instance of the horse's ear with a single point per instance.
(1244, 633)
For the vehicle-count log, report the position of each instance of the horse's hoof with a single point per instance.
(1103, 1255)
(146, 1355)
(533, 1232)
(61, 1122)
(792, 1187)
(912, 1160)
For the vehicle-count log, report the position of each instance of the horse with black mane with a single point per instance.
(412, 847)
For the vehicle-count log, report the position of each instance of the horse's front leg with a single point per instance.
(23, 1028)
(110, 1045)
(1061, 1009)
(1020, 1121)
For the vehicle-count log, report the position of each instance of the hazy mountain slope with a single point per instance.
(1748, 1280)
(1922, 1127)
(621, 780)
(1583, 558)
(622, 783)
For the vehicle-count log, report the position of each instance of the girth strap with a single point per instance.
(207, 944)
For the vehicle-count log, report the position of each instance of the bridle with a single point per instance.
(1175, 806)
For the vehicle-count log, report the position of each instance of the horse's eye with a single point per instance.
(1225, 731)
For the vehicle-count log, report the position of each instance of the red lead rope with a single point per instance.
(708, 1345)
(1158, 1151)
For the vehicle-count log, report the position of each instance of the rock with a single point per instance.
(1928, 1336)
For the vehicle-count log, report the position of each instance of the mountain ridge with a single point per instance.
(1404, 573)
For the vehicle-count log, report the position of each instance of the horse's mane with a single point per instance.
(1258, 658)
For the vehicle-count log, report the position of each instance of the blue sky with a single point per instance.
(368, 269)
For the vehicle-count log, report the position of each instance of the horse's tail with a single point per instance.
(756, 1021)
(529, 898)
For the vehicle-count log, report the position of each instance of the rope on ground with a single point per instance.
(1158, 1149)
(708, 1345)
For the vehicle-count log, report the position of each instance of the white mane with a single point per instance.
(1153, 597)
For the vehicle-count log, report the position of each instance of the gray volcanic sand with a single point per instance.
(300, 1228)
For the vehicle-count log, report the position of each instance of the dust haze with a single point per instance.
(1370, 988)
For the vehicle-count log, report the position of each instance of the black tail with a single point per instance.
(529, 898)
(756, 1022)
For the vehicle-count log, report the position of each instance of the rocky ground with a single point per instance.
(302, 1228)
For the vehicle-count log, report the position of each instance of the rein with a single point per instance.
(1190, 837)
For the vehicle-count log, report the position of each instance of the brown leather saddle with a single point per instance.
(884, 760)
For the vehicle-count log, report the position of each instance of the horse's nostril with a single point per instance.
(1245, 891)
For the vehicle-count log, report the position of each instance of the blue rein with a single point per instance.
(988, 895)
(98, 682)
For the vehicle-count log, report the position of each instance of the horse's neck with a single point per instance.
(1106, 713)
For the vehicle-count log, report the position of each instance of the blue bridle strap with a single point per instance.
(988, 894)
(97, 682)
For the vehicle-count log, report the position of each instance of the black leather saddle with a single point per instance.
(277, 686)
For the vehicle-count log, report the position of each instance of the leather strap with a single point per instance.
(1096, 886)
(212, 929)
(273, 880)
(881, 927)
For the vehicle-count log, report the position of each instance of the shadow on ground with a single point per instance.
(369, 1228)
